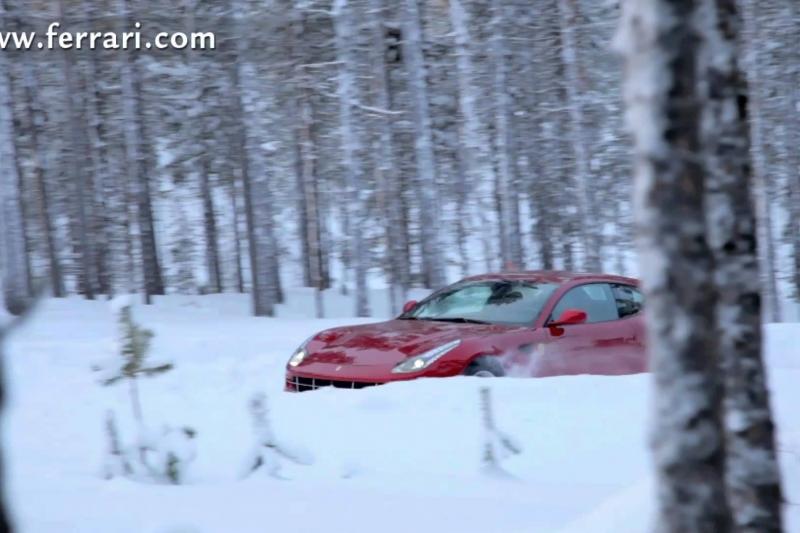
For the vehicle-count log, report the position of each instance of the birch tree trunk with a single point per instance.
(426, 182)
(661, 41)
(587, 217)
(753, 476)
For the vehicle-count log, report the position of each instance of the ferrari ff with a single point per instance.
(543, 323)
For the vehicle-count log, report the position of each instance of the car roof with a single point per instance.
(552, 276)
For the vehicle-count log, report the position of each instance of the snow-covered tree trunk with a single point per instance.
(351, 146)
(385, 164)
(761, 173)
(258, 204)
(426, 182)
(568, 17)
(137, 162)
(753, 476)
(511, 243)
(13, 279)
(210, 223)
(661, 40)
(78, 172)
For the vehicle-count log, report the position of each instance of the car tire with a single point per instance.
(485, 366)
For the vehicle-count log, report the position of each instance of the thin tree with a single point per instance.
(426, 182)
(568, 17)
(761, 178)
(348, 98)
(13, 282)
(662, 44)
(753, 476)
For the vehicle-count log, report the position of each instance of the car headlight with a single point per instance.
(297, 357)
(419, 362)
(300, 354)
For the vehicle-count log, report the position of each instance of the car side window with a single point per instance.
(629, 300)
(596, 299)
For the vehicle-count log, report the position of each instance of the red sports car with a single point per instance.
(523, 324)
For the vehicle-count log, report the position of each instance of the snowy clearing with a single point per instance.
(398, 458)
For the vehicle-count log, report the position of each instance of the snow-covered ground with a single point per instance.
(399, 458)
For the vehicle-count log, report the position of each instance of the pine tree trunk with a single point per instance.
(13, 280)
(385, 162)
(662, 45)
(587, 216)
(78, 173)
(210, 225)
(351, 146)
(426, 182)
(753, 476)
(258, 207)
(511, 243)
(138, 165)
(44, 209)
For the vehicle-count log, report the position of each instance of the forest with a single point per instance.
(348, 145)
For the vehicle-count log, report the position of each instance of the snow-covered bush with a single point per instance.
(162, 456)
(268, 452)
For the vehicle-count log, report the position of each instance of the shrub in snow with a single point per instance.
(134, 343)
(169, 454)
(117, 463)
(496, 444)
(268, 453)
(163, 456)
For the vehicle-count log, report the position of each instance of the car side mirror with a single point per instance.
(409, 306)
(570, 317)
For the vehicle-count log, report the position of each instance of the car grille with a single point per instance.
(301, 384)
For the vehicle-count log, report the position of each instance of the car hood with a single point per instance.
(388, 343)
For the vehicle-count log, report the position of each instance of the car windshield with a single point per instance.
(516, 303)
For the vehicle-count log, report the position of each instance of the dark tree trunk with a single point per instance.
(210, 225)
(753, 476)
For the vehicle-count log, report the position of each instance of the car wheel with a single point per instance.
(485, 366)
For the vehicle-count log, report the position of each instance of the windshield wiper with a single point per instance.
(458, 319)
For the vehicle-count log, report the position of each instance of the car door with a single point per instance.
(630, 308)
(596, 346)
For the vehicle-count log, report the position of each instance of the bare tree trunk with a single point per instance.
(54, 264)
(234, 192)
(568, 11)
(77, 173)
(753, 477)
(662, 45)
(761, 188)
(351, 146)
(138, 165)
(385, 162)
(13, 281)
(210, 224)
(308, 197)
(258, 208)
(426, 182)
(511, 242)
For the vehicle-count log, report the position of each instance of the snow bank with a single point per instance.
(403, 457)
